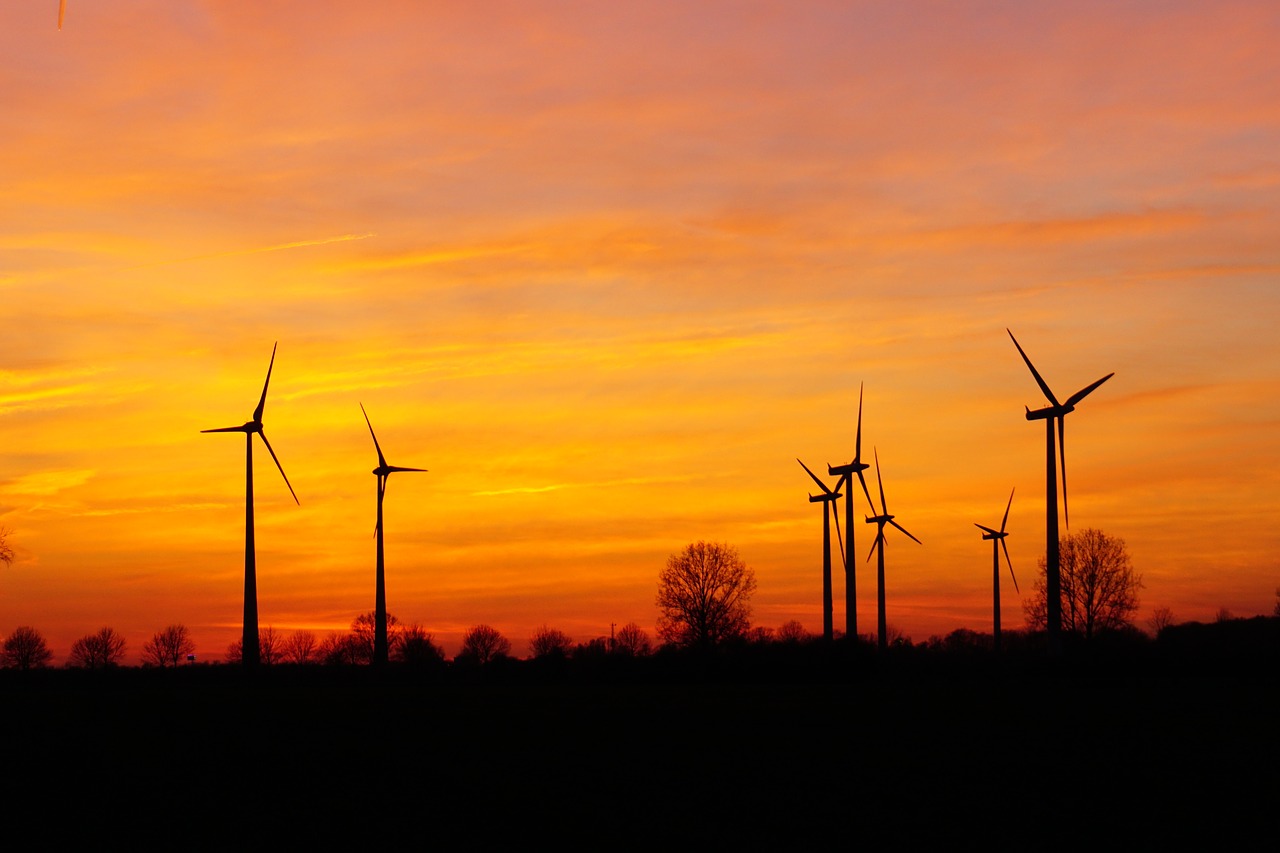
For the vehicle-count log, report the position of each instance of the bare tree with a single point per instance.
(300, 647)
(97, 651)
(482, 644)
(418, 648)
(704, 594)
(168, 647)
(338, 649)
(1098, 584)
(1161, 618)
(632, 640)
(792, 632)
(6, 553)
(25, 649)
(271, 648)
(363, 629)
(550, 642)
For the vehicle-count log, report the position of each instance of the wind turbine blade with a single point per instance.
(226, 429)
(839, 538)
(382, 463)
(987, 529)
(1062, 453)
(904, 530)
(263, 436)
(821, 484)
(879, 537)
(1009, 563)
(391, 468)
(857, 444)
(863, 481)
(1006, 510)
(262, 401)
(884, 510)
(1086, 391)
(1044, 386)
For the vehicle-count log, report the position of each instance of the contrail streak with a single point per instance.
(297, 244)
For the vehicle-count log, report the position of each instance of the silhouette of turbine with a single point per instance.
(826, 499)
(1049, 414)
(877, 547)
(250, 637)
(383, 472)
(997, 542)
(845, 473)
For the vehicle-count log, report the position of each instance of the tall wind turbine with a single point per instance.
(1049, 414)
(877, 547)
(250, 638)
(997, 542)
(383, 472)
(826, 499)
(845, 473)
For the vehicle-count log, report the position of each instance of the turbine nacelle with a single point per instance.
(853, 467)
(827, 498)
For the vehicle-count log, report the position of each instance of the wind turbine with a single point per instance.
(877, 547)
(1049, 414)
(846, 472)
(826, 499)
(250, 638)
(997, 542)
(383, 472)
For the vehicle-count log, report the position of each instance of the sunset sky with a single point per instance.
(607, 269)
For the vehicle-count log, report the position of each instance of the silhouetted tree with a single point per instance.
(1161, 618)
(1276, 610)
(362, 636)
(339, 649)
(482, 644)
(168, 647)
(1099, 586)
(704, 594)
(6, 553)
(97, 651)
(632, 640)
(25, 649)
(271, 648)
(550, 642)
(300, 647)
(791, 632)
(418, 648)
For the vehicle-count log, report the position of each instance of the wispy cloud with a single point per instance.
(598, 484)
(258, 250)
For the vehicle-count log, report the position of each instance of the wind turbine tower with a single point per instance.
(845, 473)
(383, 472)
(826, 499)
(249, 641)
(1055, 412)
(877, 547)
(997, 538)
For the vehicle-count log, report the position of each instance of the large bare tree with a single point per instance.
(24, 649)
(1098, 583)
(168, 646)
(704, 595)
(99, 650)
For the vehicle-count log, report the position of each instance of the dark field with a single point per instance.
(892, 754)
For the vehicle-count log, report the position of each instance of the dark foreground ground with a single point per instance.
(870, 755)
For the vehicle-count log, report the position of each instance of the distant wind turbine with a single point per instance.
(250, 638)
(826, 499)
(846, 472)
(877, 547)
(1049, 414)
(383, 472)
(997, 538)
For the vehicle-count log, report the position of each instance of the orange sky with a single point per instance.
(606, 270)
